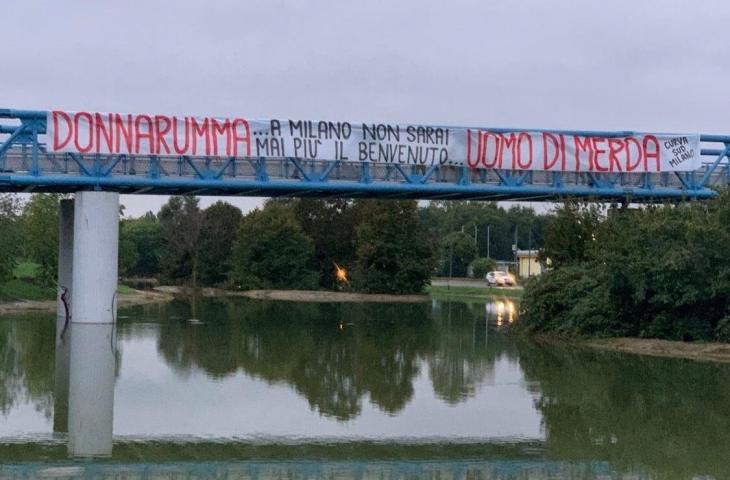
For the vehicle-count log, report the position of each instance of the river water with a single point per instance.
(241, 388)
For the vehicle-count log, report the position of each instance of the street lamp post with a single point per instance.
(451, 264)
(488, 241)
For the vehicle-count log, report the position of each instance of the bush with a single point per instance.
(653, 272)
(722, 333)
(481, 266)
(572, 300)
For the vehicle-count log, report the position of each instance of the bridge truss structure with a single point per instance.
(305, 469)
(26, 166)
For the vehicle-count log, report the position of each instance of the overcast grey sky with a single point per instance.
(588, 64)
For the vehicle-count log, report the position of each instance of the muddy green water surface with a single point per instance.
(248, 388)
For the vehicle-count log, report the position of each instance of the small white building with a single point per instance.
(527, 263)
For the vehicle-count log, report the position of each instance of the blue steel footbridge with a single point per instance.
(26, 165)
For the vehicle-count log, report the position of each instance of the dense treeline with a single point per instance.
(656, 271)
(471, 231)
(385, 245)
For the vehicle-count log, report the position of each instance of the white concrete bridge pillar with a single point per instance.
(94, 305)
(91, 390)
(95, 250)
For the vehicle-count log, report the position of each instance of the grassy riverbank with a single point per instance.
(700, 351)
(438, 292)
(15, 289)
(23, 292)
(126, 298)
(23, 289)
(24, 286)
(472, 293)
(316, 296)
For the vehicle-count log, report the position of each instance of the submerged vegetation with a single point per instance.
(654, 272)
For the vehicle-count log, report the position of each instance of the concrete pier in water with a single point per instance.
(86, 316)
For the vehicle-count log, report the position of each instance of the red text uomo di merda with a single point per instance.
(548, 151)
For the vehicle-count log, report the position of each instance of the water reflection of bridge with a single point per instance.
(346, 460)
(341, 470)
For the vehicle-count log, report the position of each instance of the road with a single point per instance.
(462, 282)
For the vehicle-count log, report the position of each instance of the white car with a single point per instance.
(499, 278)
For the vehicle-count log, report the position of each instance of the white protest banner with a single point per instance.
(144, 134)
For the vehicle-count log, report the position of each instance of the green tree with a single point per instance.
(457, 252)
(218, 229)
(180, 222)
(649, 272)
(10, 235)
(40, 228)
(570, 232)
(127, 254)
(271, 250)
(331, 224)
(145, 236)
(666, 276)
(393, 254)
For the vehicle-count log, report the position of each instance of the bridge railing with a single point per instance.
(344, 470)
(25, 165)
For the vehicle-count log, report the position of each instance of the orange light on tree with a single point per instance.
(341, 274)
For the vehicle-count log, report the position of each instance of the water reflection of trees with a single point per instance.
(462, 355)
(670, 416)
(26, 362)
(665, 414)
(335, 355)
